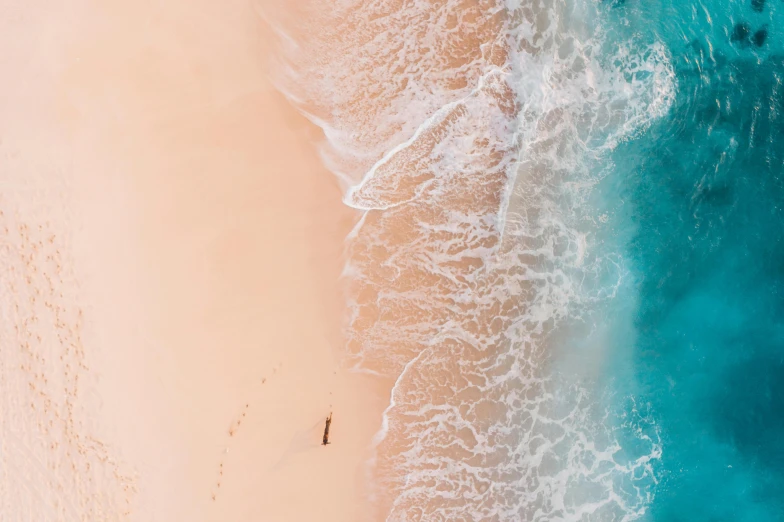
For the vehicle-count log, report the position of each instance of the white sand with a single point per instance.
(169, 255)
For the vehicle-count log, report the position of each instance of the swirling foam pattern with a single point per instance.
(471, 135)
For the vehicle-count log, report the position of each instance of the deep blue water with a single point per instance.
(698, 209)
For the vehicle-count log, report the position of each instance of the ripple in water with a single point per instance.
(703, 191)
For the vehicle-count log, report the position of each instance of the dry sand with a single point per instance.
(169, 253)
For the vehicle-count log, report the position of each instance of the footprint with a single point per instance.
(233, 430)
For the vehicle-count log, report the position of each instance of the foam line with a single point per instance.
(436, 118)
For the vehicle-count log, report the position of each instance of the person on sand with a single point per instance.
(325, 440)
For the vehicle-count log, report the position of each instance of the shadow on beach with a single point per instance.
(302, 441)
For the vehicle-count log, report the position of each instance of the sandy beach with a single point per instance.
(171, 247)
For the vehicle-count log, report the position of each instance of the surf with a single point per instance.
(472, 137)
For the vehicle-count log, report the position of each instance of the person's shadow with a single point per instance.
(302, 441)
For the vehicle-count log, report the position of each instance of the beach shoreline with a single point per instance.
(206, 242)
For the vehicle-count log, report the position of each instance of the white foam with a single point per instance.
(430, 122)
(477, 243)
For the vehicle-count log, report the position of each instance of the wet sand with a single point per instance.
(171, 247)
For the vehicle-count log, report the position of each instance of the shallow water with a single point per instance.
(568, 253)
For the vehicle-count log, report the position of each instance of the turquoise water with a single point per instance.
(696, 204)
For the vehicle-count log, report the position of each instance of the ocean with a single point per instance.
(568, 249)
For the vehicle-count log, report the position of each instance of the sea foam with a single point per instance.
(470, 135)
